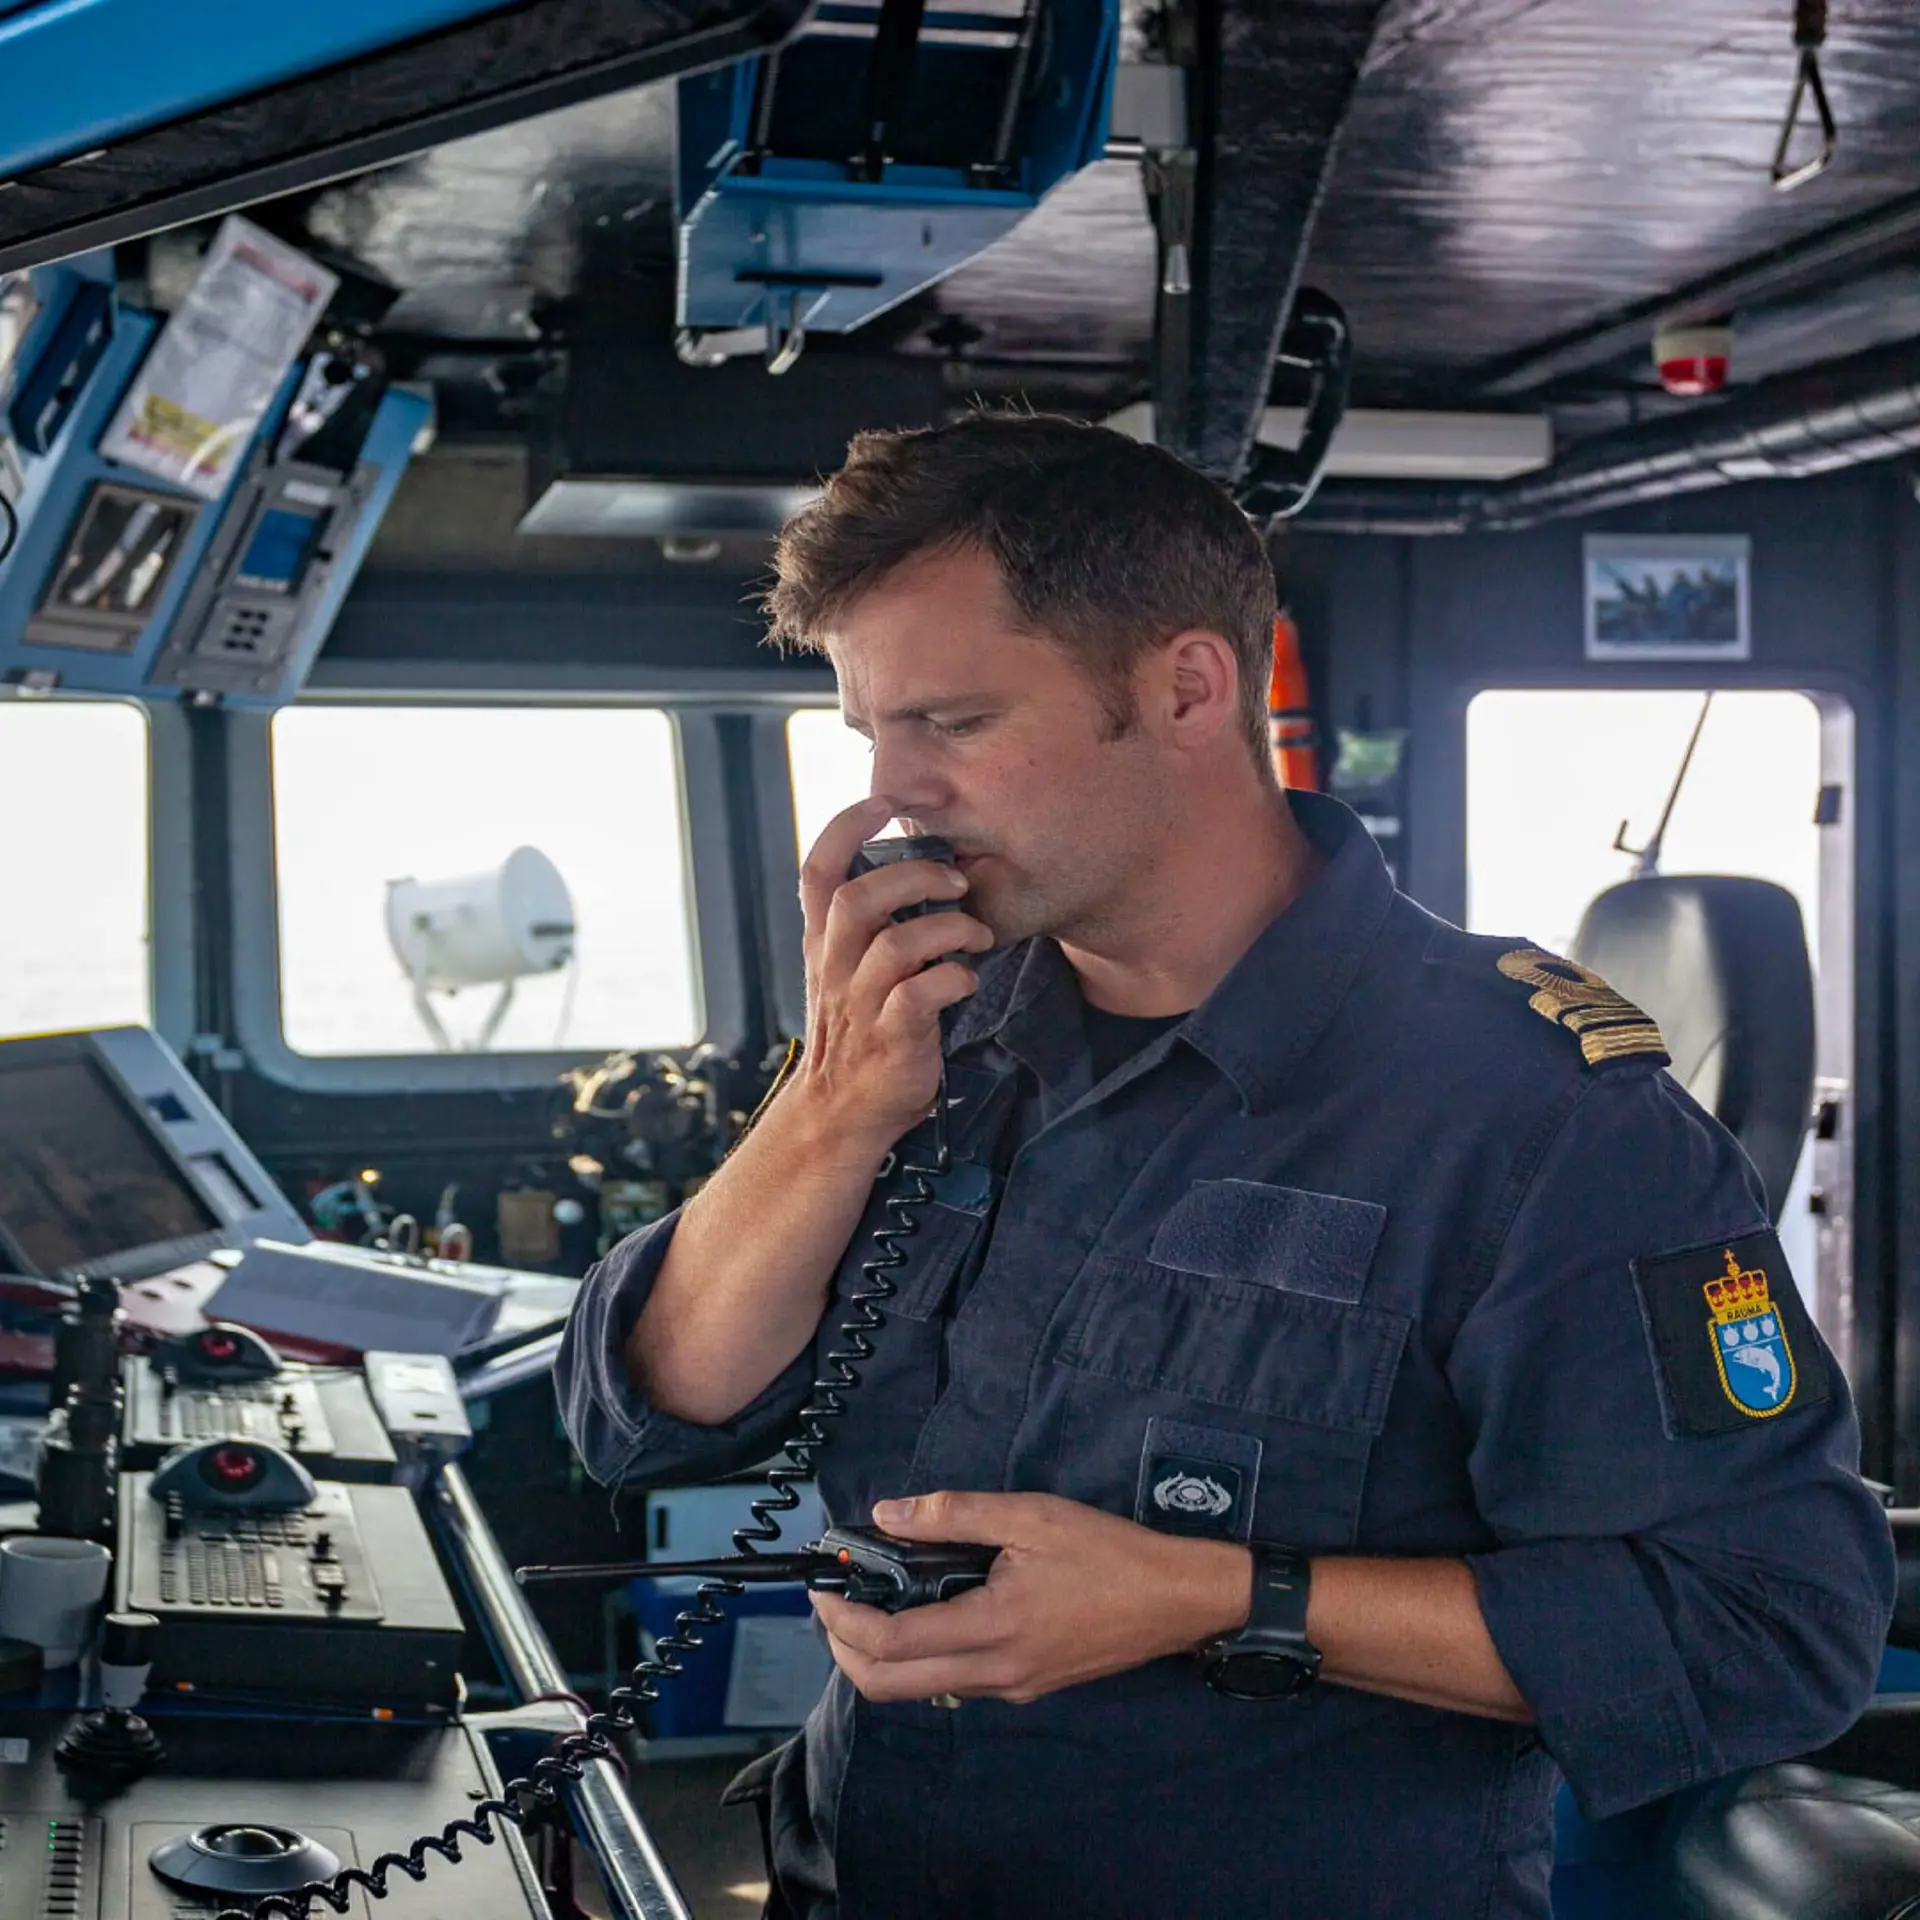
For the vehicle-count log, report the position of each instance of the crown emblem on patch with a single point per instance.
(1606, 1023)
(1750, 1347)
(1741, 1294)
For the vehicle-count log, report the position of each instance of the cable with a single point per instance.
(537, 1794)
(11, 537)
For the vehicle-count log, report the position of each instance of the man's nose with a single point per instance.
(908, 777)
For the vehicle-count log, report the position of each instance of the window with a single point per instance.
(832, 767)
(1551, 776)
(540, 849)
(73, 866)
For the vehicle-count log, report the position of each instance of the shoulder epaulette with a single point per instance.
(1608, 1026)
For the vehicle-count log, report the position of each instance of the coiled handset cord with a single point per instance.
(537, 1794)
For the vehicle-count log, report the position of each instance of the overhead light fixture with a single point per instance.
(628, 507)
(1382, 444)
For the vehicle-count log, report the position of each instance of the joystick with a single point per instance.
(86, 1342)
(113, 1744)
(76, 1481)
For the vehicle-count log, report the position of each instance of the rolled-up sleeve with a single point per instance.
(1678, 1591)
(616, 1433)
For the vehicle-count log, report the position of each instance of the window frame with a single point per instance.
(707, 862)
(780, 861)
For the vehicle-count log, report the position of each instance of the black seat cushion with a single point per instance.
(1798, 1843)
(1721, 964)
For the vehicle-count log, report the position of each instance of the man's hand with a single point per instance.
(876, 987)
(1075, 1594)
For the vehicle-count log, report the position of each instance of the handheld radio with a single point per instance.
(862, 1562)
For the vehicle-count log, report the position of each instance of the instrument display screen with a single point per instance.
(80, 1176)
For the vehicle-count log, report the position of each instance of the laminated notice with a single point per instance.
(213, 372)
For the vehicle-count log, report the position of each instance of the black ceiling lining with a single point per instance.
(1273, 88)
(1510, 173)
(1513, 173)
(401, 101)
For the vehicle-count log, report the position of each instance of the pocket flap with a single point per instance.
(1284, 1237)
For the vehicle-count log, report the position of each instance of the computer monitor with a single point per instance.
(112, 1161)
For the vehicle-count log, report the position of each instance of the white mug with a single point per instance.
(49, 1591)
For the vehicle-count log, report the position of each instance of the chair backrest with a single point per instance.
(1721, 965)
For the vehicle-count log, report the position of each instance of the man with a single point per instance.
(1312, 1278)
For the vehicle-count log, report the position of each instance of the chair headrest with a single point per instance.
(1721, 964)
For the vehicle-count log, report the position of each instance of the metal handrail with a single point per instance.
(636, 1878)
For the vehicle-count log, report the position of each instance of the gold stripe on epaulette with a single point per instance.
(1607, 1024)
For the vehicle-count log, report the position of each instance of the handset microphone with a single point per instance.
(891, 850)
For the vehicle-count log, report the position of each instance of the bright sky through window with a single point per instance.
(73, 865)
(368, 794)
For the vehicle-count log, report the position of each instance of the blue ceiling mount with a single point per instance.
(885, 146)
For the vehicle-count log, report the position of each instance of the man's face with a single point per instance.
(999, 742)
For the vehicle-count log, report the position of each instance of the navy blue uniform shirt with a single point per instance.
(1402, 1243)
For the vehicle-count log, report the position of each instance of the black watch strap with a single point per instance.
(1271, 1655)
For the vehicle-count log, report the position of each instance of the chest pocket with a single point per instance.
(1242, 1347)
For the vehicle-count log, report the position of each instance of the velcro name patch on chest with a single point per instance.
(1200, 1481)
(1733, 1343)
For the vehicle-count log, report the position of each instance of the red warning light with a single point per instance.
(1693, 360)
(235, 1464)
(219, 1346)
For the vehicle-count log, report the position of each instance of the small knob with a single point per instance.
(323, 1545)
(288, 1404)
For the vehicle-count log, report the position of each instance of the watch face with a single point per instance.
(1260, 1676)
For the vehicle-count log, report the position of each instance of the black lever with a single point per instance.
(862, 1563)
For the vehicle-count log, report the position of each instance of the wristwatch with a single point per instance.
(1270, 1657)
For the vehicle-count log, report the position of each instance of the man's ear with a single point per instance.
(1201, 679)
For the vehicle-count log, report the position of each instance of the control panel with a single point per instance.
(226, 1383)
(264, 1582)
(239, 1809)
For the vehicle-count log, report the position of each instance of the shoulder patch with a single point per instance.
(1731, 1339)
(1608, 1026)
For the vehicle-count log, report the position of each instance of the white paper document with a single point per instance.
(780, 1664)
(218, 362)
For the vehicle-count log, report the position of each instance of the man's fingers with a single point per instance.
(968, 1623)
(971, 1676)
(989, 1519)
(897, 953)
(825, 867)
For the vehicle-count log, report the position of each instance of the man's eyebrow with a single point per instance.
(921, 710)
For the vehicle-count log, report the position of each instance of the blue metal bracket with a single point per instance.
(797, 215)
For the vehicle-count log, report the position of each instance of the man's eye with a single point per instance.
(959, 729)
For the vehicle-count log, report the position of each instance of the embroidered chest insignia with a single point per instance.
(1749, 1342)
(1607, 1024)
(1191, 1494)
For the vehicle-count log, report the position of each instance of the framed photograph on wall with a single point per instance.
(1667, 597)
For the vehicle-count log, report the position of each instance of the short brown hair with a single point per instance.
(1104, 546)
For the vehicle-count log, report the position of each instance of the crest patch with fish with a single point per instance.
(1732, 1342)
